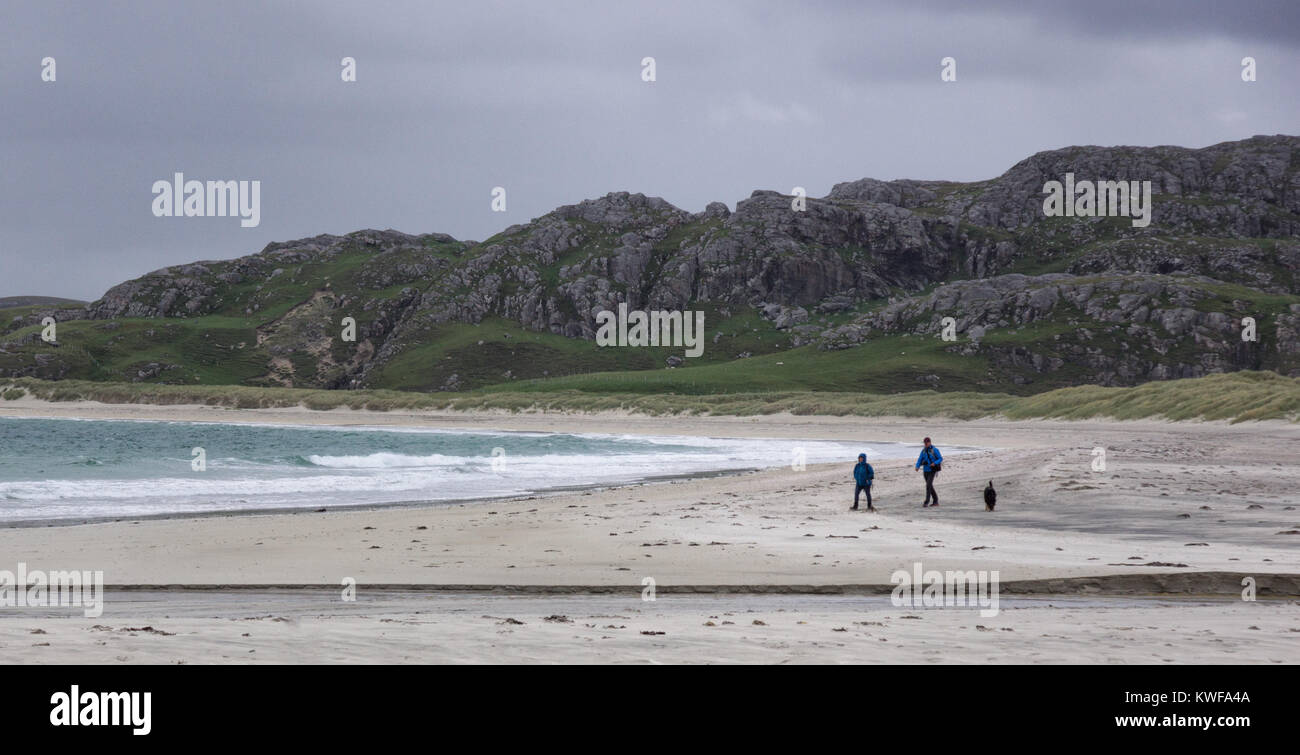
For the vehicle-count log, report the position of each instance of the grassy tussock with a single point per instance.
(1237, 397)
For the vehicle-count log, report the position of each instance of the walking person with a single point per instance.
(863, 476)
(930, 462)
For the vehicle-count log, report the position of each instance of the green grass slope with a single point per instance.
(1234, 397)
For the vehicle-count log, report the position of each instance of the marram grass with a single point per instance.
(1236, 397)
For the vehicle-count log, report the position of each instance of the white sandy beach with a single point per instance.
(286, 627)
(1176, 501)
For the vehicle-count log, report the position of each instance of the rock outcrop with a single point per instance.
(871, 259)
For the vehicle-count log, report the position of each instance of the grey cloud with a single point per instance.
(545, 99)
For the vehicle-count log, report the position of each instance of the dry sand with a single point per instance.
(1177, 502)
(290, 627)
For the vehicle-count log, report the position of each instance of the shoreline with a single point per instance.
(1056, 518)
(1142, 563)
(35, 409)
(381, 506)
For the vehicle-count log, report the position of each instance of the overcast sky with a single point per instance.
(546, 99)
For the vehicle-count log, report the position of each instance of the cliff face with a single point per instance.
(1041, 301)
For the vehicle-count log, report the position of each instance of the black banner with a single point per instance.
(618, 705)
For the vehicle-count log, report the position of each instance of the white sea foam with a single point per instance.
(385, 460)
(140, 469)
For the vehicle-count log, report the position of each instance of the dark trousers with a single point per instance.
(858, 491)
(929, 487)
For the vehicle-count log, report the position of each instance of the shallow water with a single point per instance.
(55, 470)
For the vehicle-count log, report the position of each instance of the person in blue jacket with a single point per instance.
(863, 475)
(929, 462)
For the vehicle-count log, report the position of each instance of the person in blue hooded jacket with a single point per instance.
(863, 475)
(929, 462)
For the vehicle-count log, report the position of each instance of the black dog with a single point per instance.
(990, 497)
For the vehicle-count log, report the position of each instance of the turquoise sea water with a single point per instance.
(70, 470)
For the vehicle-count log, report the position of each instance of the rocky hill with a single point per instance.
(854, 290)
(17, 302)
